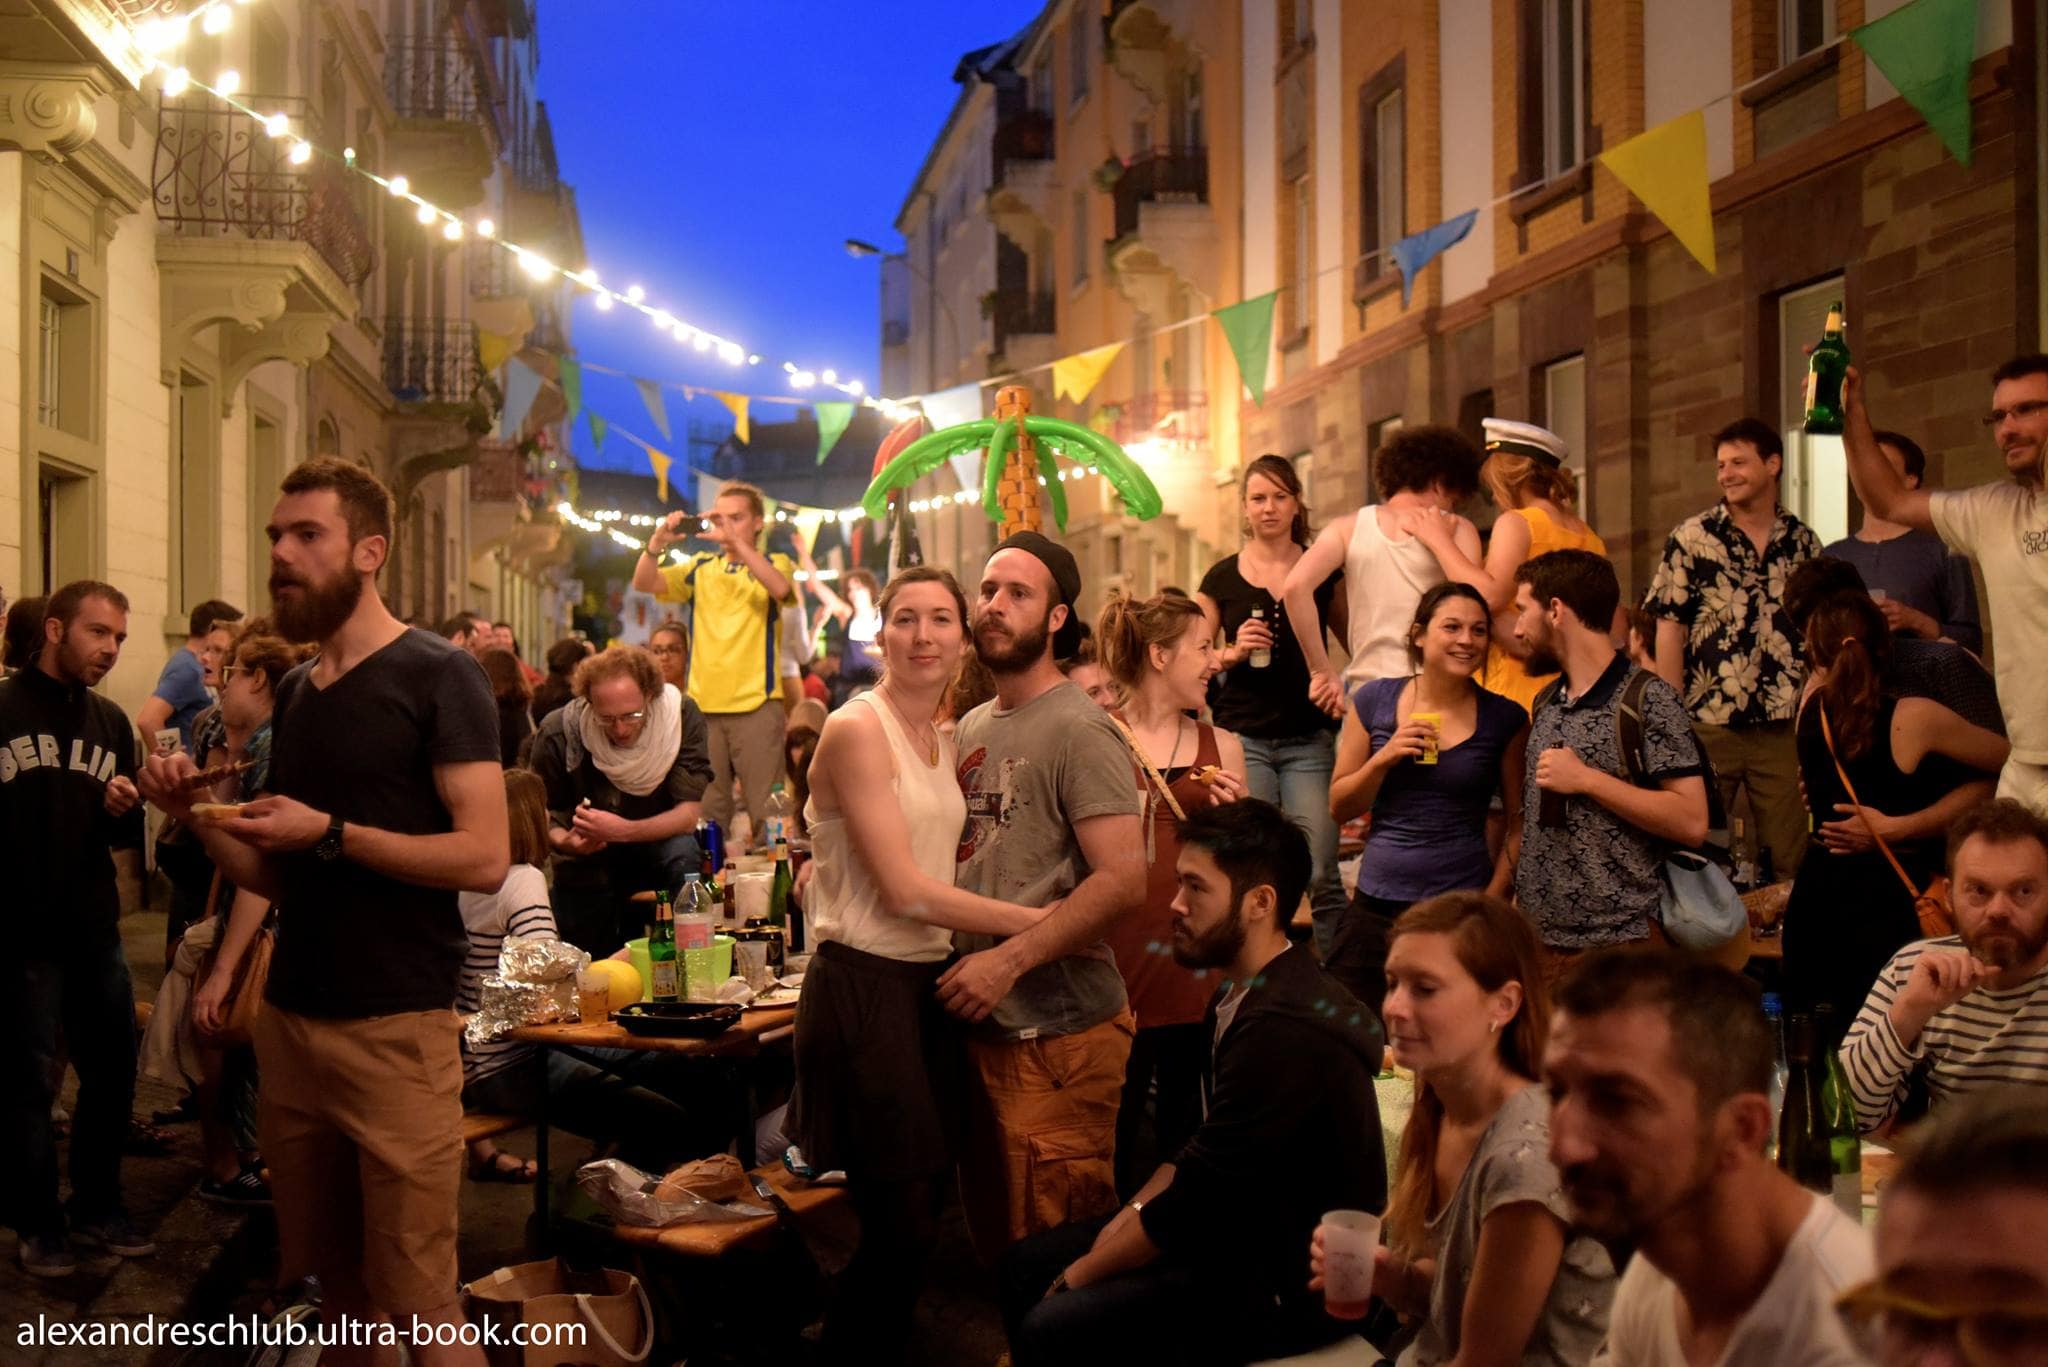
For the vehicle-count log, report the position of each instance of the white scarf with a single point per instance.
(643, 766)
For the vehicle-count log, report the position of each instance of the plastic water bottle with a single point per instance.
(1774, 1016)
(775, 818)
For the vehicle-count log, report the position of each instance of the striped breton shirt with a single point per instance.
(519, 907)
(1991, 1038)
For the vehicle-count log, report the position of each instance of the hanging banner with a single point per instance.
(832, 420)
(493, 349)
(1666, 168)
(1412, 253)
(951, 407)
(571, 380)
(1073, 377)
(598, 428)
(511, 316)
(650, 395)
(1248, 327)
(1925, 50)
(741, 428)
(522, 386)
(660, 462)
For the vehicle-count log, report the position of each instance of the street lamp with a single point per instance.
(858, 248)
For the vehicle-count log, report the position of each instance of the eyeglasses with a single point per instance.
(621, 718)
(2024, 409)
(228, 672)
(1892, 1327)
(664, 650)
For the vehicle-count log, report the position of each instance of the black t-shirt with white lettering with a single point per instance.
(353, 942)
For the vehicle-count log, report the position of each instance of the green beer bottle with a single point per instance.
(1845, 1141)
(779, 890)
(661, 951)
(1804, 1148)
(1825, 370)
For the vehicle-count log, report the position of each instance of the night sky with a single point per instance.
(721, 153)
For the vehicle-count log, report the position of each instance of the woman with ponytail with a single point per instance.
(1850, 910)
(1479, 1248)
(1537, 495)
(1158, 654)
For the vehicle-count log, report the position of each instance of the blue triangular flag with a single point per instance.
(1412, 253)
(522, 387)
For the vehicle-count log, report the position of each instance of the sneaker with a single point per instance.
(46, 1256)
(115, 1235)
(245, 1188)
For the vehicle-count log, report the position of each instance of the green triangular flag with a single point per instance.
(1248, 327)
(832, 420)
(1925, 50)
(571, 378)
(650, 394)
(598, 427)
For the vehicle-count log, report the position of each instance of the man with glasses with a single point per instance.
(1962, 1262)
(2003, 526)
(625, 763)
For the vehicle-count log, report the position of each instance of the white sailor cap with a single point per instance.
(1525, 439)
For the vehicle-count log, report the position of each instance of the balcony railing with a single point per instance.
(429, 362)
(1167, 175)
(1018, 311)
(499, 474)
(533, 161)
(896, 332)
(216, 173)
(431, 78)
(1024, 136)
(1168, 415)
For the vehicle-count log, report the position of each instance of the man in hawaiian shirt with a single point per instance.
(1724, 641)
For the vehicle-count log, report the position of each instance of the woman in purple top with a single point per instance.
(1426, 754)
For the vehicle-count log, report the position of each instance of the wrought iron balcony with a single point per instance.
(1024, 136)
(499, 474)
(1019, 311)
(1164, 415)
(431, 362)
(216, 173)
(432, 78)
(1168, 175)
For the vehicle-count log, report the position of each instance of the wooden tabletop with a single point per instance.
(713, 1239)
(745, 1035)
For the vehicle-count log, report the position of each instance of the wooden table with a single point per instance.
(740, 1043)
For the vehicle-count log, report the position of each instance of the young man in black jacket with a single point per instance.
(67, 798)
(1209, 1262)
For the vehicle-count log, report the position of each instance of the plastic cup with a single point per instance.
(1349, 1240)
(751, 962)
(1435, 721)
(1878, 595)
(593, 996)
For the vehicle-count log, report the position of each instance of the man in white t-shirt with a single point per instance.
(1659, 1070)
(2003, 526)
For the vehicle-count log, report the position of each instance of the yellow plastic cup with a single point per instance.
(1436, 726)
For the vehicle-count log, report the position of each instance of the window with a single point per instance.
(1803, 26)
(1082, 243)
(50, 363)
(1039, 93)
(1189, 132)
(1392, 206)
(1301, 279)
(1563, 84)
(1382, 175)
(1564, 412)
(1815, 481)
(195, 492)
(266, 472)
(1377, 434)
(1078, 57)
(63, 526)
(64, 394)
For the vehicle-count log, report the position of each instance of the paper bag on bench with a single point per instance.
(600, 1318)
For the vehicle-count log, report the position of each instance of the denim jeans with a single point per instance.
(637, 1110)
(83, 989)
(1294, 774)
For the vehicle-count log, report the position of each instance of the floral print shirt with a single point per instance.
(1743, 663)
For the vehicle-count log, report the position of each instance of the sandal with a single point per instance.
(503, 1167)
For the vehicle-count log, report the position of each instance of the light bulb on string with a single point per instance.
(301, 153)
(803, 379)
(702, 342)
(398, 185)
(856, 386)
(425, 213)
(486, 228)
(452, 230)
(277, 125)
(681, 332)
(831, 377)
(228, 82)
(215, 19)
(176, 82)
(634, 294)
(157, 35)
(539, 267)
(604, 302)
(663, 319)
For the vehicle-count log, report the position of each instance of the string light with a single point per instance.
(215, 20)
(399, 185)
(227, 83)
(425, 213)
(176, 82)
(452, 230)
(302, 152)
(277, 125)
(486, 228)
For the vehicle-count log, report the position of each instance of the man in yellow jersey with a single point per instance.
(737, 594)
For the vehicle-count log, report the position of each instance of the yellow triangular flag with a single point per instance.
(738, 404)
(1666, 168)
(1074, 376)
(513, 315)
(494, 347)
(660, 463)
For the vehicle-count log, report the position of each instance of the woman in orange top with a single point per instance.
(1526, 476)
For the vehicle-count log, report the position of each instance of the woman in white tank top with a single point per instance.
(877, 1059)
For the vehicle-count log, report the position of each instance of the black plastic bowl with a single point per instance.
(691, 1020)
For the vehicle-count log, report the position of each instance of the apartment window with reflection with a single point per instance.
(1563, 84)
(1803, 26)
(1077, 58)
(1564, 412)
(1082, 244)
(49, 362)
(1302, 281)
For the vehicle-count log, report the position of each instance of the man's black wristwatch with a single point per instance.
(329, 847)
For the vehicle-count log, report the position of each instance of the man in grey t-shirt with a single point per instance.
(1052, 816)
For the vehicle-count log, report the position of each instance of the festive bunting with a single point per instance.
(1925, 50)
(571, 380)
(660, 462)
(741, 428)
(1073, 377)
(832, 420)
(1248, 327)
(650, 395)
(511, 315)
(950, 407)
(522, 387)
(1412, 253)
(495, 348)
(598, 428)
(1666, 168)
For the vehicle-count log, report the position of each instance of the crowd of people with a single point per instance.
(1084, 943)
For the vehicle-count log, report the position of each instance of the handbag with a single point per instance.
(1932, 904)
(252, 975)
(601, 1318)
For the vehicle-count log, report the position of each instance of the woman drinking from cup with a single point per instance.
(1261, 687)
(1479, 1247)
(1158, 654)
(1426, 754)
(877, 1060)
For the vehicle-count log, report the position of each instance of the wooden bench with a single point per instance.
(484, 1125)
(700, 1240)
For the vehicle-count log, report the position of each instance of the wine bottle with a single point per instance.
(1845, 1140)
(1804, 1148)
(661, 951)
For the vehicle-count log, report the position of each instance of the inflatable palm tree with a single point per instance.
(1019, 454)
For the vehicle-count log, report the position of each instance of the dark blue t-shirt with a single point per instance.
(1429, 820)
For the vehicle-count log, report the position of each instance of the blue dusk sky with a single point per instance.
(721, 153)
